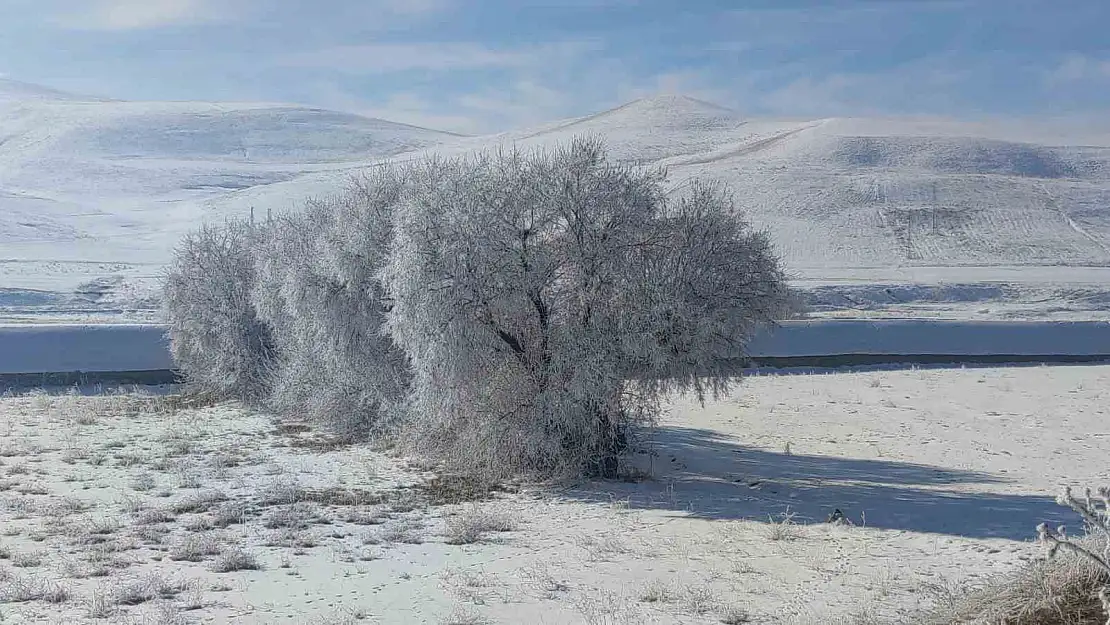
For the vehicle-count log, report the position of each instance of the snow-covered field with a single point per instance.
(138, 509)
(94, 194)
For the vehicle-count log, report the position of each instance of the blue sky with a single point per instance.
(486, 65)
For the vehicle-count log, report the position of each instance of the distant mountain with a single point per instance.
(82, 179)
(14, 90)
(649, 129)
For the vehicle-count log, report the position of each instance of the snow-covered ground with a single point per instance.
(135, 509)
(94, 194)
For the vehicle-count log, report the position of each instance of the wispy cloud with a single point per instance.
(125, 15)
(405, 107)
(412, 7)
(528, 99)
(498, 64)
(122, 15)
(944, 83)
(477, 112)
(385, 58)
(1078, 68)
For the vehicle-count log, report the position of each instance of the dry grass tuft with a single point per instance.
(473, 523)
(153, 516)
(26, 559)
(1070, 587)
(21, 589)
(284, 493)
(783, 529)
(700, 600)
(735, 615)
(198, 502)
(1058, 591)
(658, 591)
(230, 513)
(235, 560)
(298, 516)
(148, 588)
(465, 616)
(195, 548)
(455, 489)
(404, 531)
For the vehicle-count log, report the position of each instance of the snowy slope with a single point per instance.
(859, 192)
(852, 193)
(118, 160)
(87, 183)
(14, 90)
(98, 192)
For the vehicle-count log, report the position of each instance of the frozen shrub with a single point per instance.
(547, 302)
(318, 290)
(216, 338)
(1069, 587)
(501, 314)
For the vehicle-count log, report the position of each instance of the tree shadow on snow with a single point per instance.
(704, 475)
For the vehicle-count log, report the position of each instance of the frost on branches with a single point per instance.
(509, 313)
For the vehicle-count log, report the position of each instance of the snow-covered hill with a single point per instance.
(881, 192)
(857, 192)
(108, 168)
(94, 191)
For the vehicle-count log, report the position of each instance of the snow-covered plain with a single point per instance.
(133, 509)
(94, 194)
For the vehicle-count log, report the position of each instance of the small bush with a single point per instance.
(27, 559)
(235, 560)
(195, 548)
(202, 501)
(144, 482)
(20, 589)
(144, 589)
(319, 291)
(216, 338)
(659, 591)
(1069, 587)
(472, 524)
(231, 513)
(783, 529)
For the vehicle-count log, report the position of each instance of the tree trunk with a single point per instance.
(612, 442)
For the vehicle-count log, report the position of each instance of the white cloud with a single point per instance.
(122, 15)
(409, 108)
(922, 86)
(118, 15)
(385, 58)
(1079, 68)
(401, 57)
(416, 8)
(529, 99)
(518, 105)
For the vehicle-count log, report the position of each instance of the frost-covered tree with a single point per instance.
(216, 338)
(318, 290)
(548, 301)
(506, 314)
